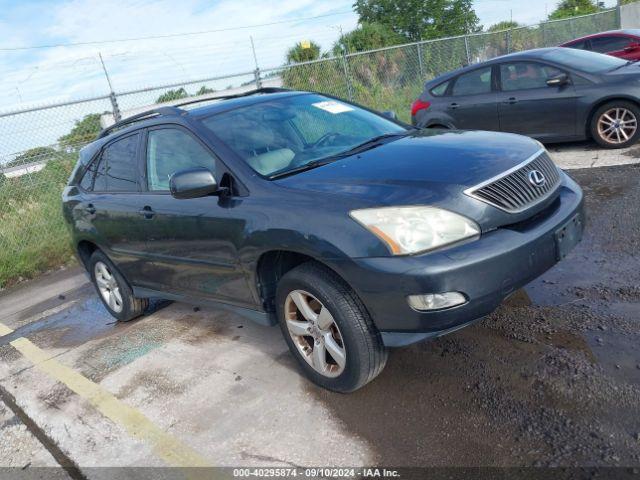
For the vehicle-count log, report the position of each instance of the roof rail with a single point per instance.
(156, 112)
(235, 95)
(175, 110)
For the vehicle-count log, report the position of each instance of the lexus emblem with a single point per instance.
(536, 178)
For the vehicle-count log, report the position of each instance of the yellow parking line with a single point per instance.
(4, 330)
(139, 426)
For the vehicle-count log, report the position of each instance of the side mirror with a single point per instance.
(193, 183)
(558, 80)
(390, 114)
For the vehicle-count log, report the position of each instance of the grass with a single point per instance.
(33, 235)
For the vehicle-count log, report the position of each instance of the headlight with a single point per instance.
(408, 230)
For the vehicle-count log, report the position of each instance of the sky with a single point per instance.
(42, 76)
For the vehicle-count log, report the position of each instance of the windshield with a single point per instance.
(286, 134)
(584, 61)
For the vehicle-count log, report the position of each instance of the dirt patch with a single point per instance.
(153, 384)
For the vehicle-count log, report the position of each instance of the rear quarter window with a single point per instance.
(116, 170)
(440, 90)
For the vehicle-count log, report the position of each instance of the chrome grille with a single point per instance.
(513, 191)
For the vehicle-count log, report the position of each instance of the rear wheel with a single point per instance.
(113, 289)
(328, 329)
(615, 124)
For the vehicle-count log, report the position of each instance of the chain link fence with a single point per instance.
(39, 146)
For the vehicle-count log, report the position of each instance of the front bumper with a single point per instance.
(486, 271)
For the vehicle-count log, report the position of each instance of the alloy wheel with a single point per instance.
(617, 125)
(315, 333)
(108, 287)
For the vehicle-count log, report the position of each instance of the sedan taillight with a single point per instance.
(419, 105)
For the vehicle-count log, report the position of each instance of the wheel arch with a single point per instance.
(602, 102)
(84, 250)
(272, 265)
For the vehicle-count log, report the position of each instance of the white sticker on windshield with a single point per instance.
(334, 107)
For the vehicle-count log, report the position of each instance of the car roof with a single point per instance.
(628, 31)
(191, 109)
(535, 54)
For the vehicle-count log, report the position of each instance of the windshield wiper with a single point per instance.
(368, 145)
(362, 147)
(302, 168)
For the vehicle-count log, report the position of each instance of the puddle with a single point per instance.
(84, 321)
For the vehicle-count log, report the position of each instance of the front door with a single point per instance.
(190, 243)
(527, 105)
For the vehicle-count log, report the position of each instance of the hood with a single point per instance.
(429, 167)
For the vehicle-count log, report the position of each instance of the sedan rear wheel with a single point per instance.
(615, 125)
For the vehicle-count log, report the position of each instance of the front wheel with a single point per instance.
(615, 124)
(328, 329)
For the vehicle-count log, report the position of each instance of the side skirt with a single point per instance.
(257, 316)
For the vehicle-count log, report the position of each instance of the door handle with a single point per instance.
(511, 101)
(453, 106)
(90, 209)
(147, 212)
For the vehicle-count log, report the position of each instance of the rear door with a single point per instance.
(527, 105)
(473, 101)
(111, 195)
(190, 243)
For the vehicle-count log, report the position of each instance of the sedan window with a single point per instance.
(580, 45)
(583, 60)
(440, 90)
(476, 82)
(525, 75)
(609, 44)
(170, 150)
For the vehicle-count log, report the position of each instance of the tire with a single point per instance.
(615, 111)
(129, 306)
(364, 354)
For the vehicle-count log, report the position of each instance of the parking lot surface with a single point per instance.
(552, 378)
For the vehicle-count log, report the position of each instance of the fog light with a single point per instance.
(436, 301)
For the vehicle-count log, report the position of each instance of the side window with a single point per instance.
(87, 179)
(100, 174)
(170, 150)
(473, 83)
(581, 45)
(120, 162)
(525, 75)
(609, 44)
(440, 90)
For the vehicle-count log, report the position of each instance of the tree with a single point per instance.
(172, 95)
(84, 131)
(506, 25)
(36, 154)
(368, 36)
(574, 8)
(303, 53)
(417, 20)
(204, 90)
